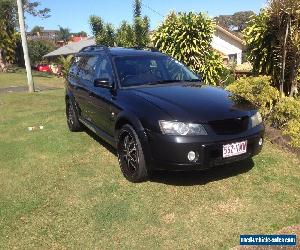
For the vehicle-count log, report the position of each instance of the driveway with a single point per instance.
(15, 89)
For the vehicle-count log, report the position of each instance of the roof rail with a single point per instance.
(93, 48)
(152, 49)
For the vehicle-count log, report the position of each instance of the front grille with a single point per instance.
(230, 126)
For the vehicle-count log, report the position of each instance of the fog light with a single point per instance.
(260, 141)
(192, 156)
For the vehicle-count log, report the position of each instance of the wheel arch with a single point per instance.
(128, 118)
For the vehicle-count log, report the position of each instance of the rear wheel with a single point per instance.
(72, 118)
(131, 155)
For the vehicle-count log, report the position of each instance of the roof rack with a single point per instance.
(94, 48)
(152, 49)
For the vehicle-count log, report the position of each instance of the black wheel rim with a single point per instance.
(128, 154)
(70, 114)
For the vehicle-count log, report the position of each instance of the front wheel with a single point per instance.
(131, 156)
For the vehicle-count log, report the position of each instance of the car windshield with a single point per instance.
(141, 70)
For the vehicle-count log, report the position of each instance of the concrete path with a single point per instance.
(16, 89)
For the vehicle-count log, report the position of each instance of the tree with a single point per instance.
(187, 37)
(36, 29)
(137, 8)
(125, 35)
(274, 44)
(64, 34)
(81, 33)
(236, 22)
(8, 27)
(141, 25)
(104, 32)
(38, 48)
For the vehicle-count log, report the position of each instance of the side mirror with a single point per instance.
(103, 83)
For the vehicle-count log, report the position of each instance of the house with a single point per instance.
(228, 44)
(43, 34)
(225, 42)
(76, 39)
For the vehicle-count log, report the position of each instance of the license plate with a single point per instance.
(234, 149)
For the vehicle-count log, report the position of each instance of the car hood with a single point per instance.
(194, 102)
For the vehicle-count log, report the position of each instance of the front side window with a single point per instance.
(141, 70)
(89, 68)
(105, 69)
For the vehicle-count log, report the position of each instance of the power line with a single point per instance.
(153, 10)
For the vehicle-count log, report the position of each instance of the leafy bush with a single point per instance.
(292, 129)
(38, 48)
(287, 109)
(257, 90)
(66, 63)
(187, 37)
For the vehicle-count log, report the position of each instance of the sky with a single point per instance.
(74, 14)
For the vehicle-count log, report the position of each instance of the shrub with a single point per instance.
(66, 63)
(38, 48)
(257, 90)
(287, 109)
(187, 37)
(292, 129)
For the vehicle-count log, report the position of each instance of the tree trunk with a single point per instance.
(284, 58)
(3, 66)
(25, 47)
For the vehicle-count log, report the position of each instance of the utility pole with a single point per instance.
(25, 47)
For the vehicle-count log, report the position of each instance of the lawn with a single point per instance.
(40, 79)
(62, 190)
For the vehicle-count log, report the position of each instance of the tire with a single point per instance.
(131, 156)
(72, 118)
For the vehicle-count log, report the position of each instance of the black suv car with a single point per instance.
(157, 113)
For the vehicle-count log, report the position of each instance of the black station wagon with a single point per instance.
(157, 113)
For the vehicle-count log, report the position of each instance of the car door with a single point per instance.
(87, 76)
(79, 86)
(101, 98)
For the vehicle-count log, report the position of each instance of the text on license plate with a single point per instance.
(233, 149)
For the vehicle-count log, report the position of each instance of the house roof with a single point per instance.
(230, 34)
(72, 48)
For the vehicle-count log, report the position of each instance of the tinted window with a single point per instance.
(139, 70)
(88, 67)
(105, 68)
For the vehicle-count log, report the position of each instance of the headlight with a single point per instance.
(181, 128)
(256, 120)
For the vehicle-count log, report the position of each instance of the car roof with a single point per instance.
(120, 51)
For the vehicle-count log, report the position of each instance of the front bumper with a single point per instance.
(170, 152)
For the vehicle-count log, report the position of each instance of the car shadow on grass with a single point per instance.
(189, 178)
(101, 142)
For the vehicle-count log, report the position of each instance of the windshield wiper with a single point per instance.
(173, 81)
(163, 81)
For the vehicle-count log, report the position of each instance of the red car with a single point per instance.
(43, 68)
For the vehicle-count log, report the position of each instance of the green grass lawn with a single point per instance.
(19, 79)
(62, 190)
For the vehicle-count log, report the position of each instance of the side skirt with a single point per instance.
(103, 135)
